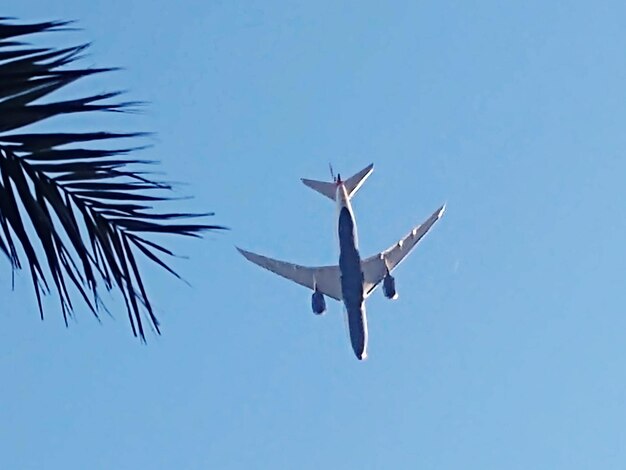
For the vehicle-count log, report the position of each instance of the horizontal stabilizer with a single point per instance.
(352, 184)
(327, 189)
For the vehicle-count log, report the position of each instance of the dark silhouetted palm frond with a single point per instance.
(73, 207)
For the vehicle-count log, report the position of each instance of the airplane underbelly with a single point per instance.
(357, 328)
(352, 284)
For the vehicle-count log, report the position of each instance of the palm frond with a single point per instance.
(75, 205)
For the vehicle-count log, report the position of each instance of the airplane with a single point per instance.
(354, 279)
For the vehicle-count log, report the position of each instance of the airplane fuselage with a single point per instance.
(351, 273)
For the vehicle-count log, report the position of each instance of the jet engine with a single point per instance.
(389, 287)
(318, 303)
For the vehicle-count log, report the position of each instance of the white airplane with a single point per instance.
(354, 279)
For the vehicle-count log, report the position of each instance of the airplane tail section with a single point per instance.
(327, 189)
(352, 184)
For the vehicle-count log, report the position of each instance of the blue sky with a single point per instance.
(506, 347)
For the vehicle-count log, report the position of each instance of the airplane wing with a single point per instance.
(375, 267)
(326, 278)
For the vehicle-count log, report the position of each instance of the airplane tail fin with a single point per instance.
(352, 184)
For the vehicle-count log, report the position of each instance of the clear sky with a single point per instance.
(506, 347)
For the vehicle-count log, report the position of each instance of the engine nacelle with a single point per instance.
(389, 287)
(318, 303)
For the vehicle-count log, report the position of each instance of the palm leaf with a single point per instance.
(74, 207)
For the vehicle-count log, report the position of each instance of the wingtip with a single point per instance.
(442, 209)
